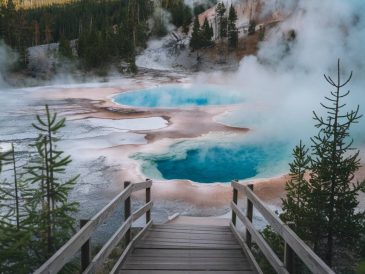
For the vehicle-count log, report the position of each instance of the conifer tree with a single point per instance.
(252, 27)
(324, 208)
(295, 204)
(222, 20)
(14, 231)
(64, 48)
(207, 34)
(51, 212)
(232, 29)
(196, 37)
(333, 167)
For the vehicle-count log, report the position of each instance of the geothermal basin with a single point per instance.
(174, 96)
(216, 162)
(211, 161)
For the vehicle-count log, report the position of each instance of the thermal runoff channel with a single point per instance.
(213, 162)
(171, 96)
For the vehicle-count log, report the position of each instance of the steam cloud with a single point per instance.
(285, 80)
(7, 58)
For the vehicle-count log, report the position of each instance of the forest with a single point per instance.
(104, 31)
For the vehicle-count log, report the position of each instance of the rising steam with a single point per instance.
(285, 80)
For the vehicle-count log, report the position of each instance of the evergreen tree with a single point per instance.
(207, 34)
(222, 20)
(201, 37)
(232, 29)
(295, 204)
(324, 208)
(14, 231)
(196, 37)
(64, 48)
(51, 213)
(333, 169)
(187, 18)
(252, 27)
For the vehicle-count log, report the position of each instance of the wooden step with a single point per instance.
(188, 249)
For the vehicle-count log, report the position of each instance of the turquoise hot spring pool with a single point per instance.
(218, 163)
(172, 96)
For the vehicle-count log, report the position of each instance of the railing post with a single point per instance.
(235, 198)
(85, 250)
(148, 199)
(127, 213)
(289, 254)
(249, 214)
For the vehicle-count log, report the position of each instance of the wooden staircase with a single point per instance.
(178, 249)
(182, 248)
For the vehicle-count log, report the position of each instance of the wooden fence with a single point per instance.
(293, 244)
(80, 241)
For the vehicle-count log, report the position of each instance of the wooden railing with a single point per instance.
(81, 239)
(293, 244)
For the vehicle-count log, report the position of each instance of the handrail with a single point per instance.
(68, 250)
(314, 263)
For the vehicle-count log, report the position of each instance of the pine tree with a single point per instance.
(252, 27)
(334, 193)
(295, 204)
(222, 20)
(196, 37)
(324, 208)
(64, 48)
(207, 34)
(232, 29)
(14, 231)
(51, 212)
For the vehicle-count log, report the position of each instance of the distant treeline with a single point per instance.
(104, 29)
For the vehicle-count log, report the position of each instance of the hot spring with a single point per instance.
(210, 163)
(171, 96)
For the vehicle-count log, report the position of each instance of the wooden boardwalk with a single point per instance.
(194, 249)
(185, 248)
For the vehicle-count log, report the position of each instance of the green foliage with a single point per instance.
(232, 29)
(262, 33)
(14, 232)
(51, 212)
(252, 27)
(295, 204)
(159, 28)
(324, 208)
(181, 14)
(201, 37)
(276, 244)
(195, 41)
(361, 268)
(117, 27)
(35, 214)
(64, 48)
(222, 19)
(207, 33)
(333, 168)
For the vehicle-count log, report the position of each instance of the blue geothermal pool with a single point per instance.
(170, 96)
(220, 163)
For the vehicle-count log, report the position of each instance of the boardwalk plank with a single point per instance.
(142, 260)
(192, 231)
(185, 272)
(210, 253)
(195, 227)
(189, 266)
(181, 235)
(187, 240)
(178, 249)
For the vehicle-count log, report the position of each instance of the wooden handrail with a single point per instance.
(260, 241)
(68, 250)
(303, 251)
